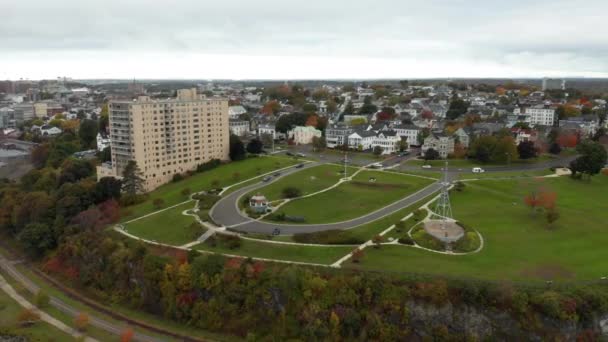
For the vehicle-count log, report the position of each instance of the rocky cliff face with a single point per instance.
(429, 321)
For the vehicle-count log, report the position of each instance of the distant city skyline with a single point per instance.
(278, 40)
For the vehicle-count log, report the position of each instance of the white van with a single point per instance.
(478, 170)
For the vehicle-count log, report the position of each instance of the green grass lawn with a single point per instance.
(41, 331)
(261, 249)
(355, 198)
(506, 174)
(518, 244)
(308, 181)
(168, 226)
(226, 174)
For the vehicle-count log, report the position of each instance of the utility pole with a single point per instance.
(345, 160)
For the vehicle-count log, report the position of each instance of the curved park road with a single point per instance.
(227, 213)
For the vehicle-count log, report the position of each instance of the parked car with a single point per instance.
(277, 174)
(427, 166)
(289, 153)
(478, 170)
(300, 155)
(299, 166)
(404, 153)
(376, 166)
(266, 179)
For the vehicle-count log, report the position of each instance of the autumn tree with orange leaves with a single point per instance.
(541, 198)
(567, 139)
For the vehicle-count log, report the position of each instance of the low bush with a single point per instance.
(468, 243)
(399, 226)
(291, 192)
(277, 217)
(231, 241)
(406, 240)
(425, 240)
(419, 214)
(28, 317)
(328, 237)
(127, 199)
(206, 201)
(210, 165)
(158, 203)
(42, 300)
(177, 177)
(195, 230)
(297, 219)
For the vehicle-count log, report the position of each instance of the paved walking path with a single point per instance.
(10, 291)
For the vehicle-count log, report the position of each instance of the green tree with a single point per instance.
(526, 150)
(592, 160)
(37, 238)
(318, 143)
(378, 150)
(431, 154)
(349, 108)
(457, 108)
(107, 188)
(132, 180)
(88, 133)
(368, 107)
(504, 150)
(237, 149)
(255, 146)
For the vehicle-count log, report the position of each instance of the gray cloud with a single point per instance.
(559, 36)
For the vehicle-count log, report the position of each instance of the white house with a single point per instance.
(268, 129)
(235, 111)
(238, 127)
(303, 135)
(103, 141)
(337, 136)
(388, 140)
(522, 135)
(50, 130)
(361, 138)
(409, 132)
(539, 115)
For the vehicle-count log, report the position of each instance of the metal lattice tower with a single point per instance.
(443, 208)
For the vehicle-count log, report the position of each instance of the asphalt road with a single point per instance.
(227, 213)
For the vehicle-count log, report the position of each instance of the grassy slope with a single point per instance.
(351, 200)
(171, 192)
(261, 249)
(308, 181)
(42, 331)
(169, 226)
(518, 245)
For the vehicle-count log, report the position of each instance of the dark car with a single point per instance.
(266, 179)
(299, 166)
(289, 153)
(277, 174)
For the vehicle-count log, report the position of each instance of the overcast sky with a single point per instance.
(283, 39)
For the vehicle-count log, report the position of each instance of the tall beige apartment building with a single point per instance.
(167, 136)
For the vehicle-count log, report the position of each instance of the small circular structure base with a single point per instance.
(444, 230)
